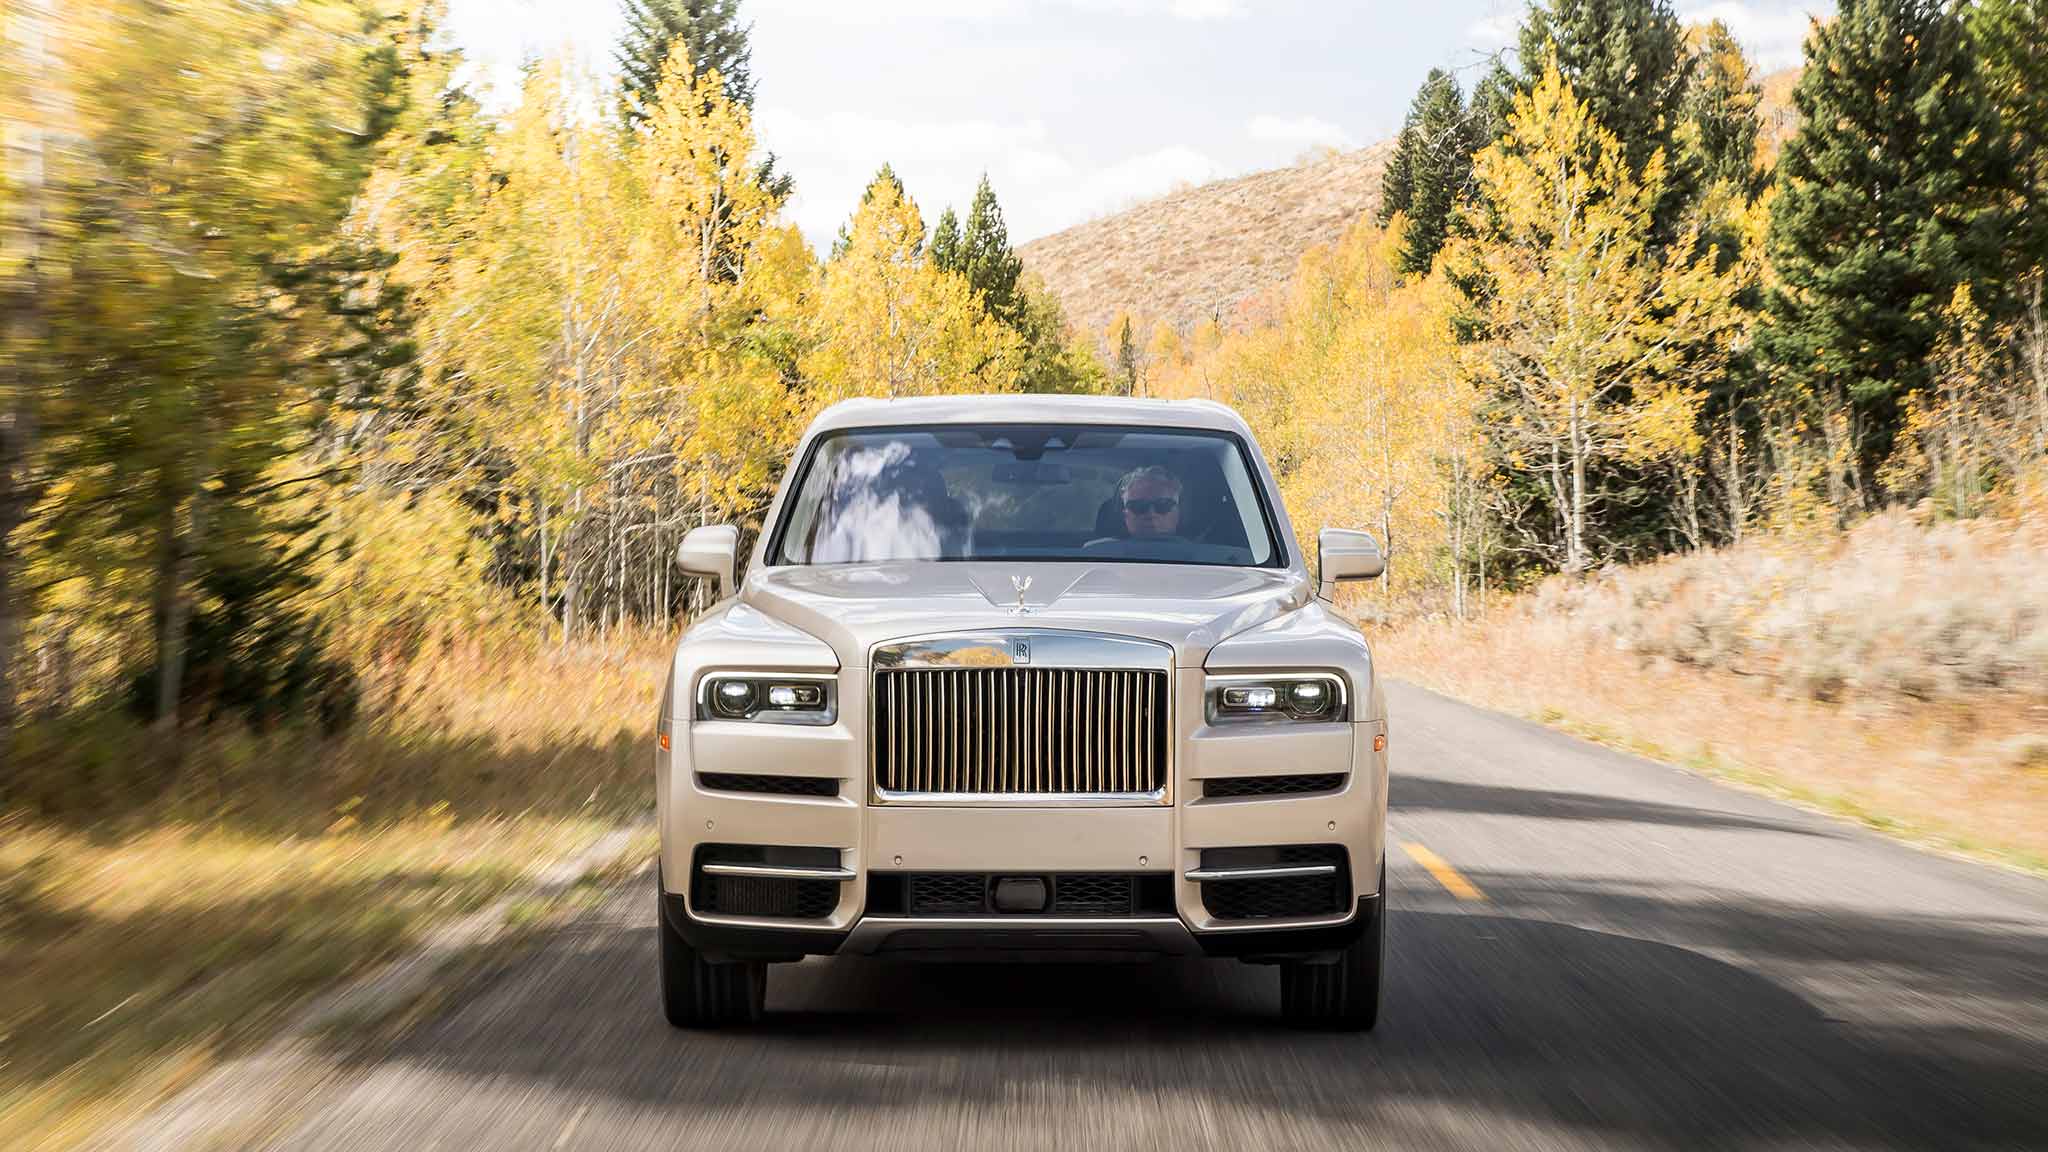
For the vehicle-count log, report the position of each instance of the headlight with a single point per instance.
(1316, 696)
(768, 698)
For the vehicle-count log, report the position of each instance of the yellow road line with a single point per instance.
(1445, 875)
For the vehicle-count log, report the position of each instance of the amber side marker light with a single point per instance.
(664, 741)
(1379, 742)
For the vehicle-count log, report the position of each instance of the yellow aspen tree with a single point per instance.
(1381, 408)
(1595, 346)
(706, 251)
(889, 322)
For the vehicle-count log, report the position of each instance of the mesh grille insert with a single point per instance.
(948, 894)
(772, 897)
(1272, 785)
(1280, 898)
(1079, 894)
(1085, 895)
(769, 785)
(767, 896)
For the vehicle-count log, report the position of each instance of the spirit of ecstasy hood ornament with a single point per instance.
(1022, 584)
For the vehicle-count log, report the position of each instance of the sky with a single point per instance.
(1074, 108)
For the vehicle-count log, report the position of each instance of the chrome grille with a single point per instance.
(1020, 732)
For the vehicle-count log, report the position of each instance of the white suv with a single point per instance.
(1011, 674)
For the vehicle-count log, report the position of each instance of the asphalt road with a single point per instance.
(1641, 959)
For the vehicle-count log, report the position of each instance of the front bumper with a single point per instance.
(864, 837)
(859, 841)
(1012, 938)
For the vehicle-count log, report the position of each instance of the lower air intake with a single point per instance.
(765, 897)
(1277, 898)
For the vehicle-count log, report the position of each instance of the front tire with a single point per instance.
(1344, 996)
(697, 993)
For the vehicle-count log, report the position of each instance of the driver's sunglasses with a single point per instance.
(1159, 507)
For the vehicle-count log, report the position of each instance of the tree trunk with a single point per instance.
(26, 331)
(1738, 506)
(1457, 511)
(546, 568)
(1575, 541)
(177, 553)
(2037, 364)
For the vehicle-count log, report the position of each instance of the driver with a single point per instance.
(1151, 502)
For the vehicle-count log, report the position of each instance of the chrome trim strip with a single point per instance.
(778, 872)
(1277, 873)
(1047, 648)
(1012, 799)
(1167, 933)
(760, 921)
(1215, 927)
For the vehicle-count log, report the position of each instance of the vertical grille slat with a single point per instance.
(1020, 731)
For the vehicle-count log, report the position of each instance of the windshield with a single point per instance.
(1027, 492)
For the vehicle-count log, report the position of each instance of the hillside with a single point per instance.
(1217, 249)
(1780, 118)
(1205, 251)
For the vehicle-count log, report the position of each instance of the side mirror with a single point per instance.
(1347, 555)
(713, 552)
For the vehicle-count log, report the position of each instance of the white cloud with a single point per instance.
(1301, 132)
(1771, 32)
(1042, 186)
(1496, 29)
(498, 36)
(872, 13)
(1204, 9)
(1141, 178)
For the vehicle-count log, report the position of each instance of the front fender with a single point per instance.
(1310, 638)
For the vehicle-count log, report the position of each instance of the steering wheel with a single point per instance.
(1152, 548)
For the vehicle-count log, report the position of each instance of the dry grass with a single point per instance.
(1207, 252)
(1897, 675)
(140, 941)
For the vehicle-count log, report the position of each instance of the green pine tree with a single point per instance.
(710, 29)
(1895, 191)
(1397, 183)
(946, 249)
(1625, 59)
(2012, 48)
(716, 41)
(1492, 99)
(986, 258)
(1718, 113)
(1127, 364)
(1430, 169)
(981, 252)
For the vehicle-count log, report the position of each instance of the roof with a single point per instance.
(1019, 408)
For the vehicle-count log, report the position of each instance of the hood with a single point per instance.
(853, 607)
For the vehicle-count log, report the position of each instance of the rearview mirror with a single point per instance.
(712, 552)
(1347, 555)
